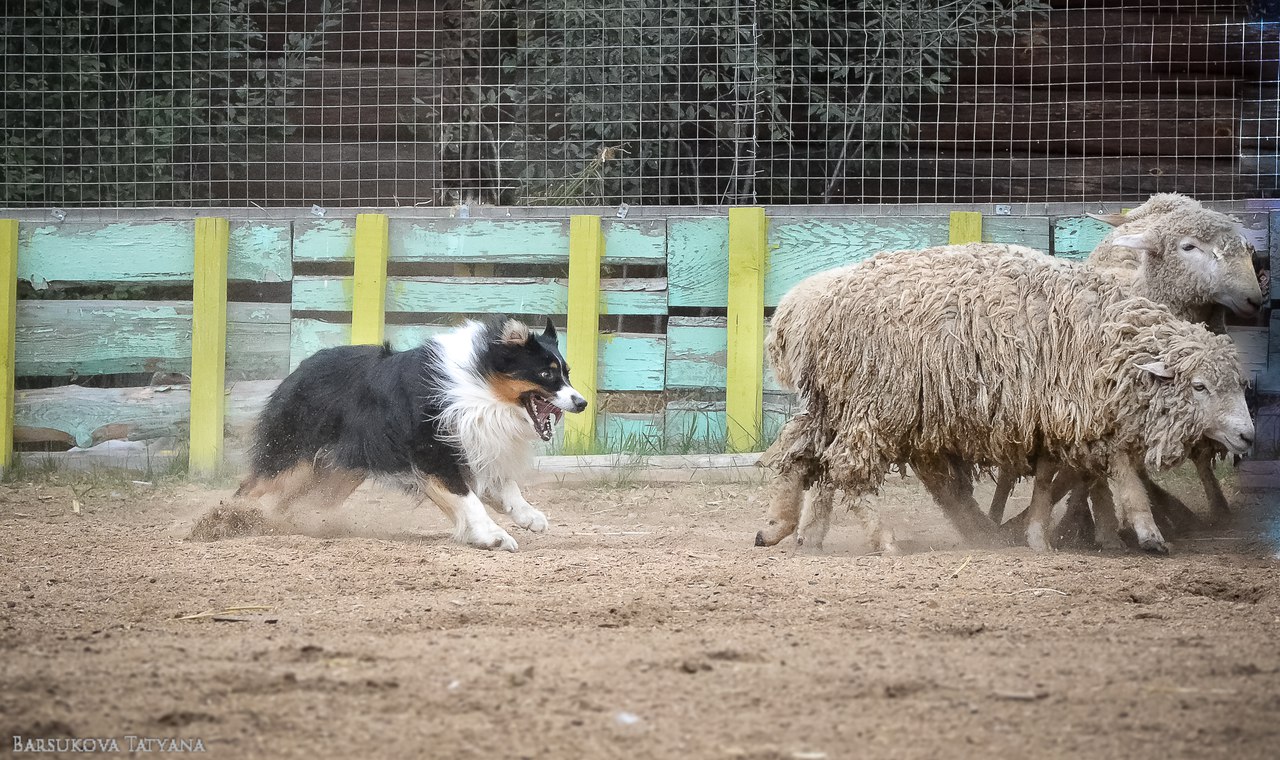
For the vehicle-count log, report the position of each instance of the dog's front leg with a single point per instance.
(471, 523)
(513, 503)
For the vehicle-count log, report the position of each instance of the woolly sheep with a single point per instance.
(981, 355)
(1193, 260)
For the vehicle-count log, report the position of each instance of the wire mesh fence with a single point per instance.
(583, 102)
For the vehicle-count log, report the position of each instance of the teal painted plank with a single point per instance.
(482, 295)
(83, 338)
(699, 427)
(88, 416)
(1032, 231)
(698, 261)
(697, 352)
(631, 433)
(151, 252)
(324, 240)
(1075, 237)
(628, 362)
(801, 247)
(489, 241)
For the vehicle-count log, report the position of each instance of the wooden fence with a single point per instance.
(705, 284)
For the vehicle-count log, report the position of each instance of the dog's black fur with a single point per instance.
(376, 411)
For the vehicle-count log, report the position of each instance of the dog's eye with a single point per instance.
(546, 374)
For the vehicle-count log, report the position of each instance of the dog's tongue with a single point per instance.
(545, 416)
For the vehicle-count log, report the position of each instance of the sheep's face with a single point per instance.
(1202, 255)
(1210, 385)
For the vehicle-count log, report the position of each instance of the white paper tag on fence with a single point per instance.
(622, 210)
(1003, 210)
(58, 214)
(318, 210)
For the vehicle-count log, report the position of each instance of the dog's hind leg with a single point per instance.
(511, 502)
(323, 487)
(471, 523)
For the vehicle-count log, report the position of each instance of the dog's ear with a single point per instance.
(514, 332)
(550, 332)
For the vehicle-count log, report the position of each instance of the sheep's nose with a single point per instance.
(1255, 302)
(1247, 438)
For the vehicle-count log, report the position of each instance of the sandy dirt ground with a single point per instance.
(643, 624)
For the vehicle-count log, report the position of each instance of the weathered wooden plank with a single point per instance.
(483, 295)
(628, 361)
(8, 334)
(639, 433)
(488, 241)
(697, 354)
(696, 426)
(81, 338)
(369, 284)
(147, 252)
(89, 416)
(582, 344)
(748, 261)
(805, 246)
(965, 227)
(1251, 343)
(1032, 231)
(1075, 237)
(208, 344)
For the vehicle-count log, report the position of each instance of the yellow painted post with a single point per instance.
(208, 344)
(369, 297)
(966, 227)
(744, 390)
(586, 249)
(8, 321)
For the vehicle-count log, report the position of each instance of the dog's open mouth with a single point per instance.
(543, 413)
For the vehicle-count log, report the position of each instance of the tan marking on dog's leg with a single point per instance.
(471, 524)
(783, 514)
(289, 485)
(332, 487)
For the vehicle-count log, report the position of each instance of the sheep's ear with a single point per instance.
(1115, 220)
(1140, 240)
(550, 331)
(1158, 369)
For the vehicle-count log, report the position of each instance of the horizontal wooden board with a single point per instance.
(1251, 343)
(698, 266)
(1032, 231)
(81, 338)
(697, 354)
(699, 426)
(89, 416)
(146, 252)
(483, 295)
(628, 361)
(488, 241)
(1075, 237)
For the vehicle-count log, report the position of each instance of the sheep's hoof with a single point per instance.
(1154, 546)
(760, 539)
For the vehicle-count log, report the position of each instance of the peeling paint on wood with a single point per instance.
(516, 295)
(146, 252)
(1075, 237)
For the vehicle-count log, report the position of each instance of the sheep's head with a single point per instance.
(1201, 375)
(1199, 254)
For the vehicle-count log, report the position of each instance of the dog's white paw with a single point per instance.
(530, 519)
(491, 537)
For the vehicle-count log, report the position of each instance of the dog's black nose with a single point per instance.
(579, 404)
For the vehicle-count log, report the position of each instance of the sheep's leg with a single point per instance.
(1004, 486)
(1219, 511)
(951, 487)
(1131, 493)
(784, 510)
(1016, 528)
(1170, 513)
(873, 526)
(815, 519)
(1106, 529)
(1076, 527)
(1041, 509)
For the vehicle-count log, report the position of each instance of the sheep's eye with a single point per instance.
(1200, 387)
(1188, 247)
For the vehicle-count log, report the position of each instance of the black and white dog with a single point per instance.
(456, 417)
